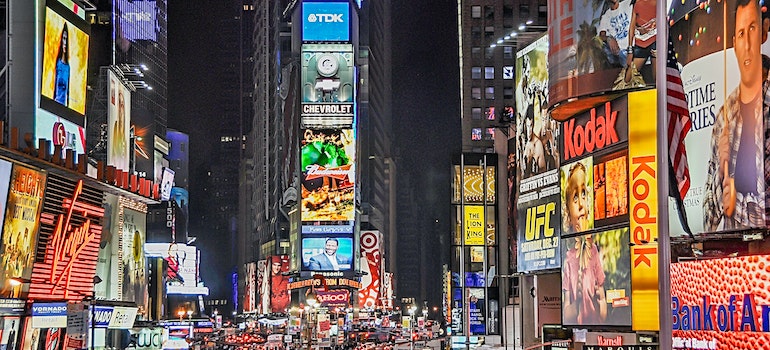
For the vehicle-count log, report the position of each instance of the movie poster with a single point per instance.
(722, 78)
(22, 219)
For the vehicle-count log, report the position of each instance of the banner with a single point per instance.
(473, 233)
(250, 289)
(328, 85)
(334, 297)
(539, 233)
(643, 187)
(371, 263)
(328, 175)
(279, 283)
(118, 124)
(133, 263)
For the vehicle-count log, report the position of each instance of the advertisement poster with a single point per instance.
(595, 275)
(134, 265)
(722, 78)
(327, 253)
(473, 233)
(592, 44)
(325, 21)
(328, 85)
(65, 63)
(721, 304)
(22, 219)
(477, 311)
(328, 175)
(250, 288)
(107, 265)
(371, 263)
(279, 283)
(118, 123)
(537, 171)
(263, 287)
(577, 196)
(10, 336)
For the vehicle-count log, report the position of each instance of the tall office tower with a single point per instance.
(268, 164)
(378, 162)
(490, 32)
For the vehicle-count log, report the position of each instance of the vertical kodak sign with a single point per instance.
(643, 189)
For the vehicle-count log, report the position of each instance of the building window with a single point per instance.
(489, 72)
(476, 11)
(507, 12)
(491, 113)
(524, 11)
(475, 72)
(508, 92)
(476, 134)
(476, 52)
(476, 113)
(508, 52)
(476, 33)
(489, 13)
(508, 72)
(476, 93)
(489, 93)
(490, 53)
(489, 134)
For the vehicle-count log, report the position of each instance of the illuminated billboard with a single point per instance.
(474, 184)
(325, 21)
(371, 263)
(327, 253)
(137, 19)
(279, 283)
(596, 290)
(328, 175)
(721, 303)
(133, 263)
(65, 63)
(181, 261)
(61, 132)
(591, 49)
(722, 81)
(118, 123)
(250, 288)
(22, 209)
(328, 85)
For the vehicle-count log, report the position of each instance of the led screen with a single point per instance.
(596, 287)
(325, 21)
(328, 175)
(328, 84)
(327, 253)
(722, 303)
(137, 19)
(65, 63)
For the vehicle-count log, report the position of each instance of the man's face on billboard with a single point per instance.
(331, 247)
(747, 44)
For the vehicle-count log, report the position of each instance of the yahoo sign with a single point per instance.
(325, 21)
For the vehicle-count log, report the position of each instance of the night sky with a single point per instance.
(426, 104)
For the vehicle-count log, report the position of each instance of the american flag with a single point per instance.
(678, 122)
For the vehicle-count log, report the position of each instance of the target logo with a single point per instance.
(370, 240)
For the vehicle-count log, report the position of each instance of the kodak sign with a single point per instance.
(595, 129)
(643, 209)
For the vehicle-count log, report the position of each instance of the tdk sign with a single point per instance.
(325, 21)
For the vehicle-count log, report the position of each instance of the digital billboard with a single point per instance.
(721, 304)
(598, 49)
(118, 123)
(722, 80)
(325, 21)
(65, 63)
(328, 85)
(327, 253)
(328, 175)
(596, 288)
(263, 288)
(61, 132)
(137, 19)
(22, 218)
(371, 263)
